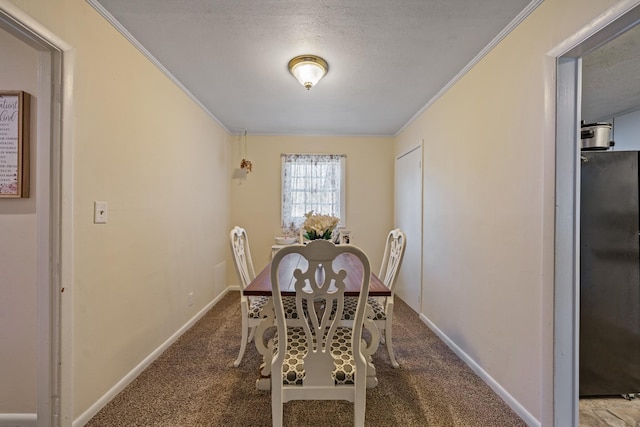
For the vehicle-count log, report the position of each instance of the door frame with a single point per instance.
(53, 214)
(568, 60)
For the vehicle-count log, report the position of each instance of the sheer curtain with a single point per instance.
(312, 182)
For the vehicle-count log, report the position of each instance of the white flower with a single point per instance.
(319, 226)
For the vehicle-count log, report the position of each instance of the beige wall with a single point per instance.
(256, 199)
(18, 296)
(166, 169)
(161, 163)
(488, 205)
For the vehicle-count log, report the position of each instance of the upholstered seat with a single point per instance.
(258, 303)
(350, 304)
(323, 358)
(256, 306)
(293, 368)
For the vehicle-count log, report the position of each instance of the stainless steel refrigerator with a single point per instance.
(609, 274)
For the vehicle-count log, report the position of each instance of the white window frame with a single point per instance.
(342, 197)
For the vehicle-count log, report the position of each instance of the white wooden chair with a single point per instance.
(251, 307)
(383, 306)
(315, 357)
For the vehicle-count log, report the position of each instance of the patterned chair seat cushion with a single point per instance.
(258, 303)
(289, 304)
(293, 366)
(350, 304)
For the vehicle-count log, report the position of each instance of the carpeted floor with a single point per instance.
(194, 383)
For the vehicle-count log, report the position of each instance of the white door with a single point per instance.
(408, 214)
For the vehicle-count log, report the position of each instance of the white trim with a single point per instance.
(54, 340)
(547, 212)
(567, 54)
(33, 27)
(48, 342)
(567, 258)
(18, 420)
(495, 386)
(122, 30)
(409, 151)
(65, 223)
(590, 36)
(318, 134)
(493, 43)
(133, 374)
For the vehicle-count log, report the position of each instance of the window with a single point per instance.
(312, 182)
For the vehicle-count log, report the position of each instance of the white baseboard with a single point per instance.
(18, 420)
(109, 395)
(495, 386)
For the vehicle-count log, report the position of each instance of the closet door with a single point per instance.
(408, 214)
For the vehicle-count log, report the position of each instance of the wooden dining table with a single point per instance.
(261, 286)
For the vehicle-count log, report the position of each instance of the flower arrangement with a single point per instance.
(317, 226)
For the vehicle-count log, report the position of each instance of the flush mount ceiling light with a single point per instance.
(308, 69)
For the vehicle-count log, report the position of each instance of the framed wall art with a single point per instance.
(14, 144)
(345, 237)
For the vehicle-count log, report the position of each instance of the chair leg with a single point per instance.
(388, 333)
(245, 335)
(359, 405)
(276, 407)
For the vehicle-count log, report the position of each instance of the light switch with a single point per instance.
(99, 212)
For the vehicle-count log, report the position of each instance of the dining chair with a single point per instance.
(251, 307)
(383, 306)
(316, 357)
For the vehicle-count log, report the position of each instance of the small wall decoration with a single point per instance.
(14, 144)
(245, 164)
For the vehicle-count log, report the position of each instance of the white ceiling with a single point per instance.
(611, 78)
(387, 58)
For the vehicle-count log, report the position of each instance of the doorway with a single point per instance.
(408, 215)
(46, 153)
(568, 55)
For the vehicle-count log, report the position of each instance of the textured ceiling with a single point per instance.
(387, 58)
(611, 78)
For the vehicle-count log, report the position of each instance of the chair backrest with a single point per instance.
(320, 293)
(242, 255)
(392, 259)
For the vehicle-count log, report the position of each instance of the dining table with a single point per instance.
(261, 286)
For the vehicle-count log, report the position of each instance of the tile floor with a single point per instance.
(610, 412)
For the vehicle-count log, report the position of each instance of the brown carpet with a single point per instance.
(194, 383)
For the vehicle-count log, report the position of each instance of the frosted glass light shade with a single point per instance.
(308, 69)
